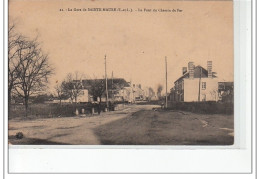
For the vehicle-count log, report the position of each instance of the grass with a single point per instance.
(207, 107)
(49, 110)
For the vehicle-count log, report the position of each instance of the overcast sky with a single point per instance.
(135, 43)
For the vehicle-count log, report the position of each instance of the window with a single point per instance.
(203, 85)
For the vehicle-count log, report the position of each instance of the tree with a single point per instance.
(151, 93)
(67, 87)
(214, 94)
(60, 93)
(97, 88)
(77, 85)
(72, 86)
(159, 91)
(33, 70)
(13, 59)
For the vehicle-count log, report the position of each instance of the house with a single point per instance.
(125, 94)
(83, 96)
(195, 84)
(117, 89)
(138, 92)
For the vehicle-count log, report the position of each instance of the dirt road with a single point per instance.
(133, 125)
(69, 130)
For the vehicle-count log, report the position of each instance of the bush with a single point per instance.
(19, 135)
(50, 110)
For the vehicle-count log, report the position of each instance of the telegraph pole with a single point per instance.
(166, 100)
(199, 84)
(106, 80)
(112, 87)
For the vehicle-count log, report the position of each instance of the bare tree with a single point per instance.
(67, 86)
(77, 85)
(33, 70)
(72, 86)
(159, 90)
(13, 59)
(151, 93)
(214, 94)
(60, 92)
(97, 88)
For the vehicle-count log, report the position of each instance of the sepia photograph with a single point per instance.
(120, 73)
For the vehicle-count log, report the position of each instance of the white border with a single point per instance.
(240, 88)
(148, 160)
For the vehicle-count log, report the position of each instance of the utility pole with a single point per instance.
(166, 100)
(106, 80)
(112, 87)
(199, 84)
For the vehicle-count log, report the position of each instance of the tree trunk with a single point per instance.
(99, 105)
(9, 100)
(26, 99)
(9, 97)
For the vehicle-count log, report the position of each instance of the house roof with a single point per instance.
(117, 82)
(225, 85)
(197, 74)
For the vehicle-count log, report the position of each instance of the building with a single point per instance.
(83, 96)
(138, 92)
(118, 90)
(195, 84)
(125, 94)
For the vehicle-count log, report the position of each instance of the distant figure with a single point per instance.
(110, 106)
(162, 105)
(99, 108)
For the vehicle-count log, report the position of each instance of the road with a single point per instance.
(132, 125)
(70, 130)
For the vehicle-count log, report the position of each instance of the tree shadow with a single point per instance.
(32, 141)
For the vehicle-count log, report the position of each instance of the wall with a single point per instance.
(125, 94)
(83, 97)
(191, 89)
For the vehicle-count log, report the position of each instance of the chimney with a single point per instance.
(209, 68)
(191, 69)
(184, 70)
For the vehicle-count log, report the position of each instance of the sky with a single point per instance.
(135, 43)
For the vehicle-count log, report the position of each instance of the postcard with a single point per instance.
(101, 75)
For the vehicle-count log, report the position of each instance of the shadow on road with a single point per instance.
(32, 141)
(149, 127)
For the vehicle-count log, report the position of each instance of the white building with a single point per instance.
(196, 84)
(125, 94)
